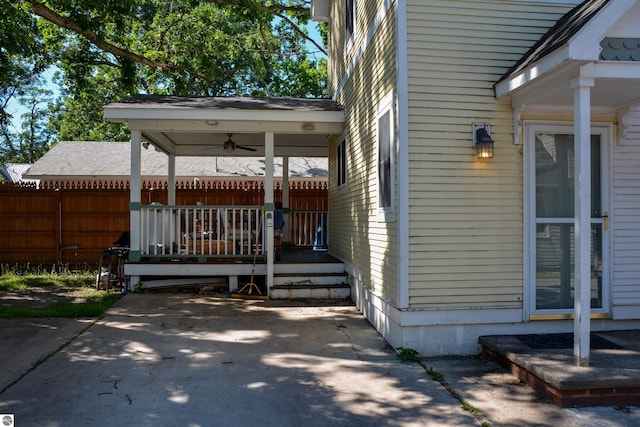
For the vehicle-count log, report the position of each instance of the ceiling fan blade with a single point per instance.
(240, 147)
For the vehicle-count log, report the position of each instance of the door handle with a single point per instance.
(605, 221)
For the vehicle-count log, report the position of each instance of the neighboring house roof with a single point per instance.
(111, 160)
(558, 35)
(13, 172)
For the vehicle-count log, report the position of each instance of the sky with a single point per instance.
(17, 110)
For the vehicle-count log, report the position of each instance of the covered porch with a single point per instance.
(580, 81)
(223, 241)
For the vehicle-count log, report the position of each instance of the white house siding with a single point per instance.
(466, 236)
(626, 221)
(357, 236)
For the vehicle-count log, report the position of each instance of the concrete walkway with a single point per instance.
(185, 360)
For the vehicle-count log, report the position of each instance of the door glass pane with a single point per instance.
(555, 266)
(555, 239)
(596, 178)
(554, 175)
(596, 266)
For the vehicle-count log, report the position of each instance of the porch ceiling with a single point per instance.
(199, 126)
(616, 87)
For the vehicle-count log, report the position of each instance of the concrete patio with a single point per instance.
(184, 359)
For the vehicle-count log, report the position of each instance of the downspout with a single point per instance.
(269, 206)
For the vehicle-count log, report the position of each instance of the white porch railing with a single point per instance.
(201, 231)
(220, 231)
(309, 228)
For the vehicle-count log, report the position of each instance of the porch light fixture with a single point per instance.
(145, 144)
(482, 140)
(229, 146)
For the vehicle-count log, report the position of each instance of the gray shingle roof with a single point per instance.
(110, 160)
(238, 103)
(565, 28)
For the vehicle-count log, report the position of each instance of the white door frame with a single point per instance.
(530, 129)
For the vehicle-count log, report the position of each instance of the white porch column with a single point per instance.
(135, 197)
(582, 229)
(286, 232)
(269, 206)
(171, 180)
(171, 199)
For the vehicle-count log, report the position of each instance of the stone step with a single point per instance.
(310, 279)
(308, 268)
(310, 291)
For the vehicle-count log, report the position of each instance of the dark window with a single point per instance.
(384, 159)
(342, 163)
(350, 19)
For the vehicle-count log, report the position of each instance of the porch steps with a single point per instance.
(612, 377)
(309, 285)
(310, 279)
(301, 269)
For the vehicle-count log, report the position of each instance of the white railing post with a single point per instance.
(201, 231)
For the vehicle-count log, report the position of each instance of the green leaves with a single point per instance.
(106, 50)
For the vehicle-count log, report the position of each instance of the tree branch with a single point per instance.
(279, 10)
(299, 31)
(44, 12)
(273, 9)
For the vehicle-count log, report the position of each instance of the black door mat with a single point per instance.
(563, 341)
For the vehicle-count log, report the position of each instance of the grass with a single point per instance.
(408, 354)
(89, 308)
(75, 293)
(18, 278)
(19, 283)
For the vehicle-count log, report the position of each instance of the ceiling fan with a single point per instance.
(230, 146)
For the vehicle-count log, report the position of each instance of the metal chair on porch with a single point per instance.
(119, 253)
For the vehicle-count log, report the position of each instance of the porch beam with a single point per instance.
(200, 150)
(616, 70)
(582, 229)
(280, 127)
(117, 114)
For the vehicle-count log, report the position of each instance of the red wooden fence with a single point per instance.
(73, 222)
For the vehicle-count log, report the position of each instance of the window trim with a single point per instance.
(386, 213)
